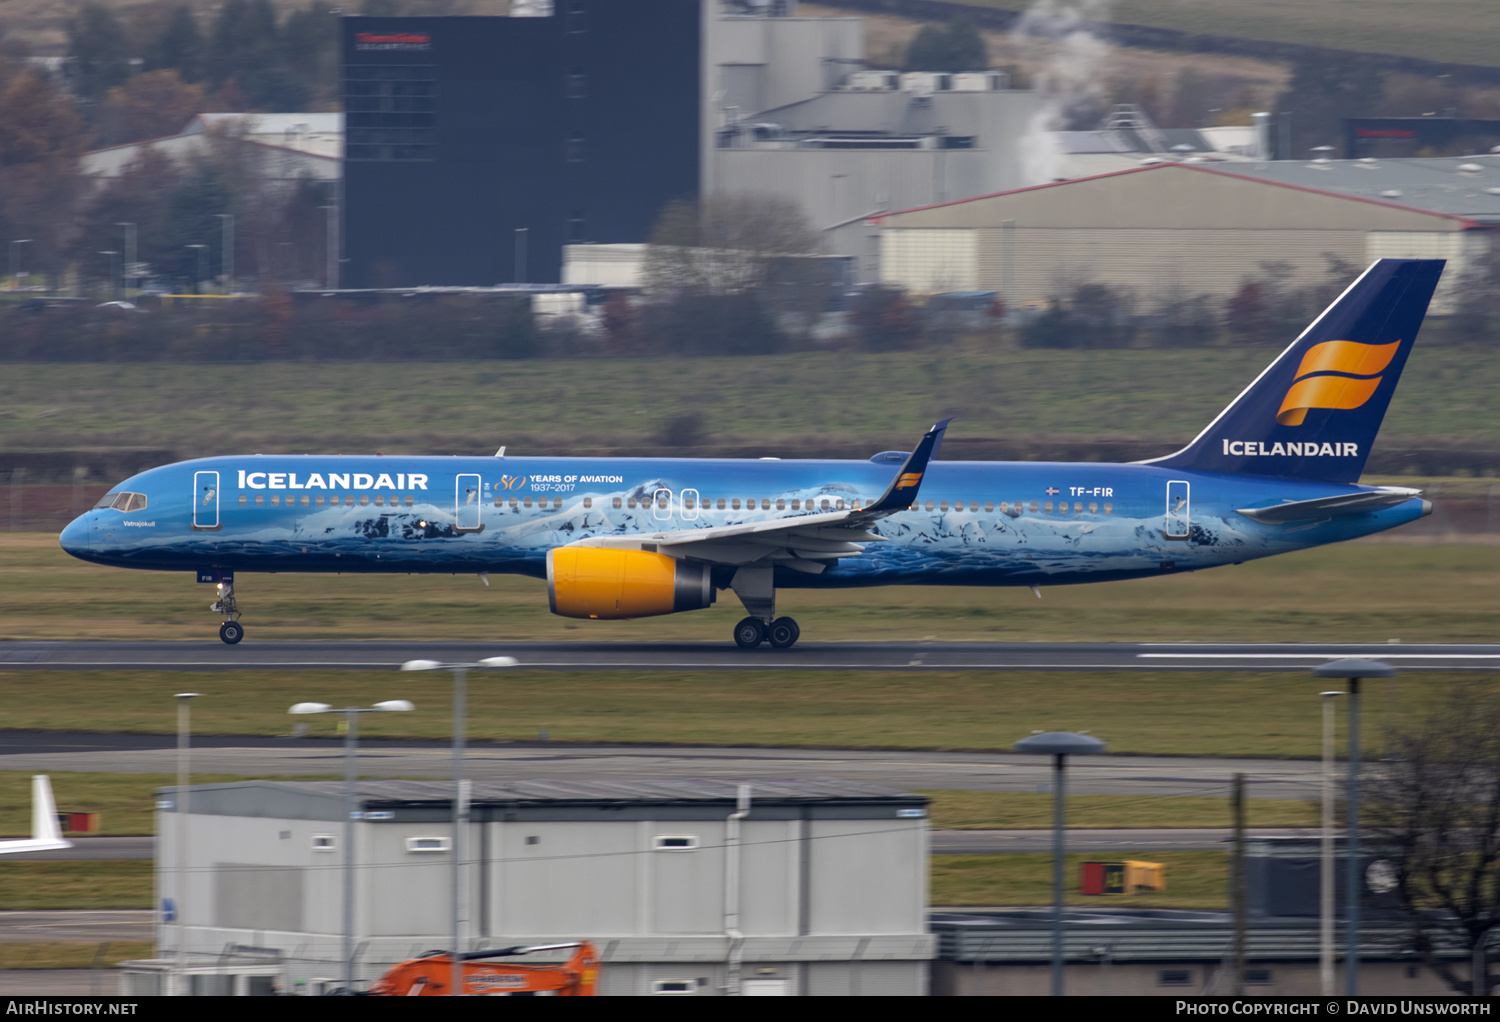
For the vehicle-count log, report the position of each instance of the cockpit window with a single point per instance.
(123, 501)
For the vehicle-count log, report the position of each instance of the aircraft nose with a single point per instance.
(75, 537)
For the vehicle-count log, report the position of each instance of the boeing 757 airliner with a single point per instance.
(1278, 470)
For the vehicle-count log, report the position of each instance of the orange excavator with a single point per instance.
(432, 973)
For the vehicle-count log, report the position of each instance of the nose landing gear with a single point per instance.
(231, 631)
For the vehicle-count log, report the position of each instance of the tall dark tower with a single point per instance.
(462, 132)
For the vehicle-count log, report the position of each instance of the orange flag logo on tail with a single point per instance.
(1335, 374)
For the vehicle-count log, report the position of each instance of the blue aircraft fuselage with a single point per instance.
(974, 523)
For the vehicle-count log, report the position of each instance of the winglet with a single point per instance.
(44, 812)
(903, 489)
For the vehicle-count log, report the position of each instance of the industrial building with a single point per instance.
(831, 895)
(1190, 228)
(1121, 952)
(477, 147)
(280, 148)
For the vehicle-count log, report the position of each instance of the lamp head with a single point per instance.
(499, 661)
(310, 708)
(394, 706)
(421, 665)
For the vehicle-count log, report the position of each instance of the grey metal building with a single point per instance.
(1122, 952)
(790, 109)
(832, 895)
(1196, 229)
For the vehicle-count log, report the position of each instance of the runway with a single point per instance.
(716, 656)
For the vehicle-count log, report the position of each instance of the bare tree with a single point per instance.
(1435, 816)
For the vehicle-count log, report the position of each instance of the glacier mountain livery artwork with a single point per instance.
(1278, 470)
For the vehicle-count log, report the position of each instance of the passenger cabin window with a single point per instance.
(514, 503)
(1047, 507)
(526, 502)
(260, 499)
(243, 501)
(306, 500)
(780, 503)
(929, 505)
(839, 503)
(364, 500)
(989, 507)
(409, 502)
(318, 500)
(720, 504)
(616, 504)
(1093, 508)
(275, 500)
(1033, 507)
(588, 502)
(1109, 509)
(557, 503)
(380, 500)
(943, 506)
(735, 504)
(797, 505)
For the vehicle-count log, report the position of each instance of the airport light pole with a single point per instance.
(1353, 670)
(201, 257)
(460, 792)
(1059, 745)
(113, 281)
(1325, 884)
(226, 256)
(180, 807)
(15, 263)
(130, 252)
(331, 274)
(351, 807)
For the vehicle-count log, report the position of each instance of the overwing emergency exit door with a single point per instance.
(466, 503)
(1179, 508)
(205, 501)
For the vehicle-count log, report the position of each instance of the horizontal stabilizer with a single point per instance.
(1324, 508)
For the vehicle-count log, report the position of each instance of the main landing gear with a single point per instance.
(783, 633)
(231, 631)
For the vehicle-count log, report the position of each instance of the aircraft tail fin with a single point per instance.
(1314, 412)
(44, 825)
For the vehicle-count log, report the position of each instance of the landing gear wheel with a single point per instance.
(783, 633)
(749, 633)
(231, 632)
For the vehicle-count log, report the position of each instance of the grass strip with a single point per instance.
(1189, 714)
(1194, 880)
(72, 954)
(75, 883)
(1359, 592)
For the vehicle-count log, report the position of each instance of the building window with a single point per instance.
(576, 20)
(575, 85)
(1175, 978)
(674, 842)
(573, 151)
(390, 112)
(324, 843)
(427, 844)
(674, 986)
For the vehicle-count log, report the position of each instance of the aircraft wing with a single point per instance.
(46, 835)
(1323, 508)
(804, 542)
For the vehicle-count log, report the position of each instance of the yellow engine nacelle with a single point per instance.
(604, 583)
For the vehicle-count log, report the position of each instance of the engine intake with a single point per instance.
(605, 583)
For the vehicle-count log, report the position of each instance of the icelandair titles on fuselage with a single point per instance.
(1310, 449)
(332, 481)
